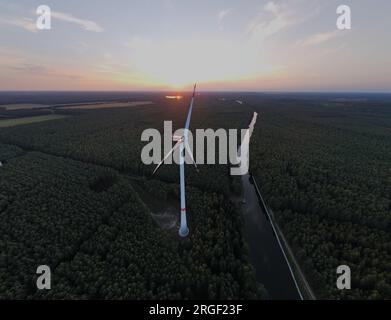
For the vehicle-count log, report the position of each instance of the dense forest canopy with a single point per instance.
(72, 196)
(68, 199)
(324, 166)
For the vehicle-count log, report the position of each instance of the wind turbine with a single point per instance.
(183, 144)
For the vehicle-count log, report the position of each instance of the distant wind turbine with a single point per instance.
(183, 144)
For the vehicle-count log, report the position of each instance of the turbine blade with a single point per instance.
(187, 124)
(166, 157)
(191, 155)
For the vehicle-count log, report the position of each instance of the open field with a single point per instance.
(23, 106)
(107, 105)
(27, 120)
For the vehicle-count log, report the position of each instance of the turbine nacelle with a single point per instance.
(177, 138)
(179, 141)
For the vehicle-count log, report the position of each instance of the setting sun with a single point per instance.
(174, 97)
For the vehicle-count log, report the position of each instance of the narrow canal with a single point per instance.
(271, 267)
(266, 256)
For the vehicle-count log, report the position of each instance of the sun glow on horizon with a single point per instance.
(178, 64)
(174, 97)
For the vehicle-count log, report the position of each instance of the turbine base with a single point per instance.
(184, 232)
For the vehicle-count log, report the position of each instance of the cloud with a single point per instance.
(319, 38)
(272, 7)
(32, 69)
(29, 24)
(24, 23)
(10, 57)
(17, 62)
(88, 25)
(278, 16)
(272, 19)
(222, 14)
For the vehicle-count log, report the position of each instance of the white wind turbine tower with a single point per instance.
(183, 144)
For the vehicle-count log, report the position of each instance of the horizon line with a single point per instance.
(201, 91)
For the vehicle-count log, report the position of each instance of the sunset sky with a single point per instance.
(246, 45)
